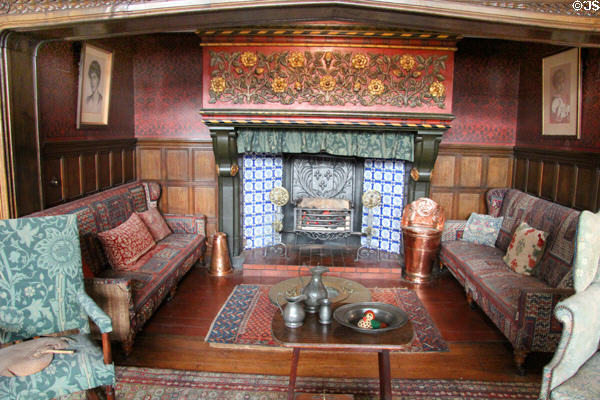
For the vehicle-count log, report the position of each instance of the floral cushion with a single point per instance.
(525, 249)
(482, 229)
(126, 243)
(155, 223)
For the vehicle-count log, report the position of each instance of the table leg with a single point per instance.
(385, 376)
(293, 372)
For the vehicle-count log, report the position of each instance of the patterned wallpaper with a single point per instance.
(260, 174)
(530, 103)
(387, 177)
(58, 77)
(168, 86)
(486, 88)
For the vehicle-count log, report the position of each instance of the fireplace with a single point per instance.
(325, 200)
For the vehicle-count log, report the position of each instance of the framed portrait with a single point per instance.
(95, 71)
(561, 94)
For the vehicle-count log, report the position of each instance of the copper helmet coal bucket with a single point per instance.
(220, 263)
(422, 225)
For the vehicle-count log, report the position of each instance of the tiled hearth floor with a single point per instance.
(339, 259)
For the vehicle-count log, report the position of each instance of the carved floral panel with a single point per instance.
(329, 78)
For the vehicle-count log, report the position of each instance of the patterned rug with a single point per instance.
(157, 384)
(245, 319)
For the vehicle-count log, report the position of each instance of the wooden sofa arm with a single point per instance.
(188, 223)
(115, 297)
(535, 315)
(453, 229)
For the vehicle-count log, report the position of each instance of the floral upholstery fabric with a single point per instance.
(482, 229)
(588, 251)
(126, 243)
(41, 287)
(41, 277)
(574, 371)
(155, 223)
(525, 249)
(519, 305)
(68, 373)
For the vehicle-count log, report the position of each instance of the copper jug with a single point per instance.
(220, 263)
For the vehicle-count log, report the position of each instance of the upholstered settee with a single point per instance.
(520, 305)
(130, 297)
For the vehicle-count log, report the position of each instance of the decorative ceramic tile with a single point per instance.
(260, 174)
(387, 177)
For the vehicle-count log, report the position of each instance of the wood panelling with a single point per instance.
(177, 164)
(75, 169)
(568, 178)
(186, 171)
(470, 171)
(463, 173)
(149, 164)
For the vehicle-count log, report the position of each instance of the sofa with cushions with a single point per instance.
(517, 292)
(127, 271)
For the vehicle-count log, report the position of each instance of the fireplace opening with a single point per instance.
(325, 205)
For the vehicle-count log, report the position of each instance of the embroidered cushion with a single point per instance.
(126, 243)
(482, 229)
(525, 249)
(155, 223)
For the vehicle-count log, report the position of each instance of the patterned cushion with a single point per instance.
(525, 249)
(155, 223)
(126, 243)
(482, 229)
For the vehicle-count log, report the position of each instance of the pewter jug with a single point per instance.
(315, 290)
(293, 315)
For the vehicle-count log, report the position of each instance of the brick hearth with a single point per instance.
(339, 259)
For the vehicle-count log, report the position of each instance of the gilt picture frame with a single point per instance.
(95, 75)
(561, 94)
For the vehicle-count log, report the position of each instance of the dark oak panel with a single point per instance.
(568, 178)
(90, 183)
(78, 168)
(52, 181)
(186, 171)
(463, 173)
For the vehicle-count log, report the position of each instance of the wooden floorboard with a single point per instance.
(174, 338)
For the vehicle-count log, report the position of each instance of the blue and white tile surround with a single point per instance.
(260, 173)
(387, 177)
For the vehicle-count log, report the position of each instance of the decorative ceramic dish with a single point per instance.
(390, 317)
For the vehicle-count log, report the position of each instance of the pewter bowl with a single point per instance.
(349, 314)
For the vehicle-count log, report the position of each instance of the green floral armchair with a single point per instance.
(574, 372)
(42, 293)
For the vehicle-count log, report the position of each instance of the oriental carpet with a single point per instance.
(157, 384)
(245, 319)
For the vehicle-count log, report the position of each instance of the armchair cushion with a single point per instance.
(126, 243)
(95, 313)
(155, 223)
(525, 249)
(482, 229)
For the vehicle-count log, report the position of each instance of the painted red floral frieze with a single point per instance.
(328, 78)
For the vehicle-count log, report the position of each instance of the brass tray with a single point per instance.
(349, 314)
(340, 290)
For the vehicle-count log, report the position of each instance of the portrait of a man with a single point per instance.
(94, 86)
